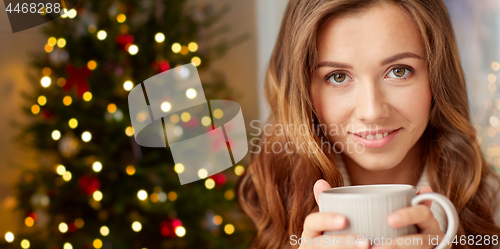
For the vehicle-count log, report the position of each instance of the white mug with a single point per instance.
(367, 207)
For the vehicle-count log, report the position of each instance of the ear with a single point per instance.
(319, 186)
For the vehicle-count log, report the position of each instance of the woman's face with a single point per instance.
(371, 86)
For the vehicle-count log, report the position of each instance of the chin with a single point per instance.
(375, 162)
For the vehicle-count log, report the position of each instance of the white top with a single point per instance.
(436, 210)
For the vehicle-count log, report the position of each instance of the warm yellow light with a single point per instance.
(42, 100)
(61, 42)
(218, 113)
(92, 64)
(97, 195)
(191, 93)
(60, 169)
(192, 46)
(29, 221)
(229, 195)
(87, 96)
(196, 61)
(185, 116)
(111, 108)
(97, 166)
(35, 109)
(136, 226)
(101, 35)
(142, 195)
(176, 47)
(48, 48)
(121, 18)
(97, 243)
(73, 123)
(172, 196)
(67, 100)
(495, 66)
(206, 121)
(180, 231)
(92, 28)
(202, 173)
(104, 231)
(25, 244)
(79, 223)
(229, 228)
(45, 81)
(133, 49)
(72, 13)
(86, 136)
(67, 246)
(174, 119)
(217, 220)
(46, 71)
(179, 168)
(128, 85)
(129, 131)
(154, 197)
(63, 227)
(67, 176)
(130, 170)
(9, 237)
(184, 50)
(52, 41)
(238, 170)
(166, 106)
(56, 135)
(61, 82)
(209, 183)
(159, 37)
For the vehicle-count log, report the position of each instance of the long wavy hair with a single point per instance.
(276, 189)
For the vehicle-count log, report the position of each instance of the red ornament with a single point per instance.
(167, 228)
(77, 78)
(72, 227)
(124, 41)
(33, 216)
(88, 185)
(160, 65)
(46, 114)
(219, 179)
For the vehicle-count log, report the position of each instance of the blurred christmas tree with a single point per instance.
(94, 186)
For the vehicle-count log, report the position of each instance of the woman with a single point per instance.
(383, 82)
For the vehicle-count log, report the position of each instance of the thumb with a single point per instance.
(319, 186)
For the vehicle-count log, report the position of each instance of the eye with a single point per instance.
(339, 78)
(399, 72)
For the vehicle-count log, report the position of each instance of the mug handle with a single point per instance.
(451, 214)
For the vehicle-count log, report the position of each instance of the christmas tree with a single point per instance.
(95, 187)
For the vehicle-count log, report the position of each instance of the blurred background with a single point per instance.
(61, 187)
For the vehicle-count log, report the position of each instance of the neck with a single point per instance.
(408, 171)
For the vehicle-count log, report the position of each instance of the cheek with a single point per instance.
(332, 108)
(414, 102)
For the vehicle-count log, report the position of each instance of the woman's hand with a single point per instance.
(419, 215)
(316, 223)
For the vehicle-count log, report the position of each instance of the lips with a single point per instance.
(375, 139)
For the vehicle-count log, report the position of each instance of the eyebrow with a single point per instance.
(384, 62)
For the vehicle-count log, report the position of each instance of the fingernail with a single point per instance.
(338, 221)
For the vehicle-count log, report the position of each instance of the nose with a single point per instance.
(371, 104)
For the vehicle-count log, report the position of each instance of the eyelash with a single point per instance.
(330, 75)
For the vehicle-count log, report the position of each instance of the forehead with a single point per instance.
(378, 31)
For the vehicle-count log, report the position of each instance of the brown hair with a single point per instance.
(276, 189)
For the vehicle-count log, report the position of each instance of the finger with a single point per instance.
(406, 242)
(316, 223)
(319, 186)
(423, 190)
(419, 215)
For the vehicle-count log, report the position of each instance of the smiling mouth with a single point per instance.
(374, 135)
